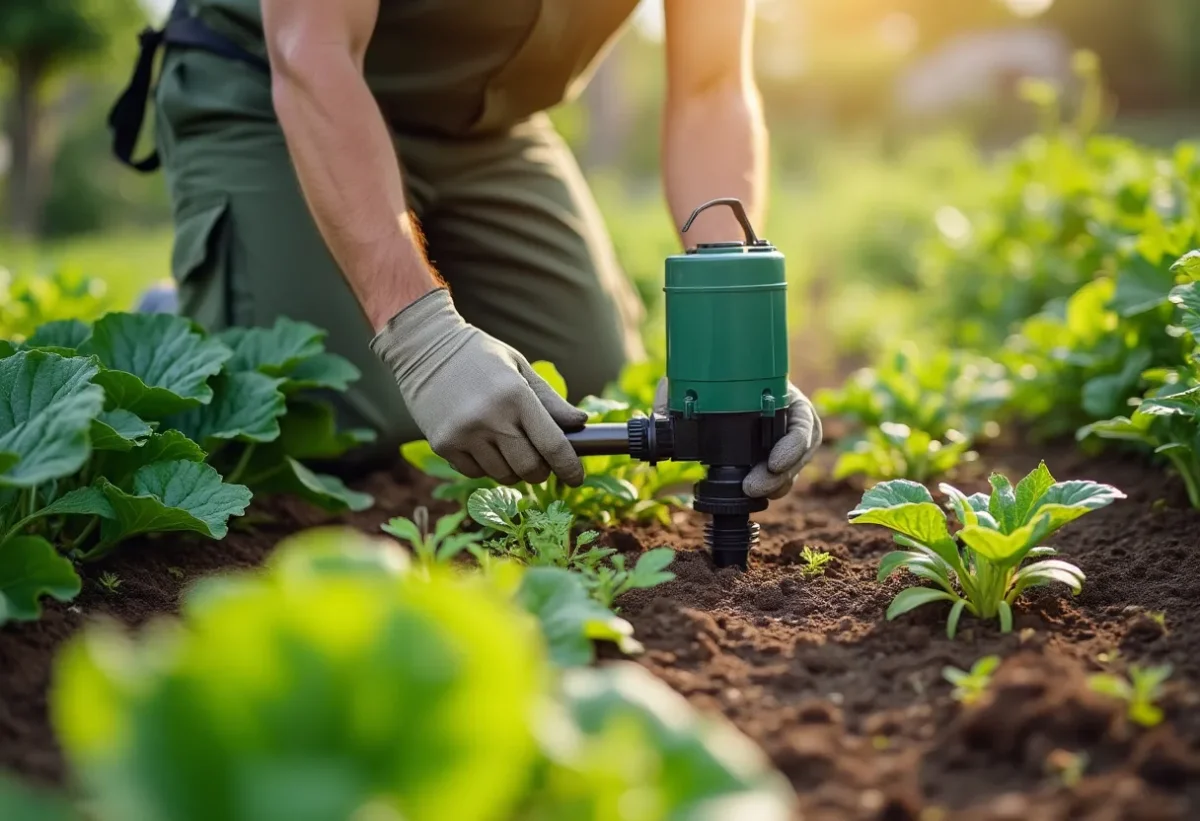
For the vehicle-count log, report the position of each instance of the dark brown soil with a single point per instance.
(854, 709)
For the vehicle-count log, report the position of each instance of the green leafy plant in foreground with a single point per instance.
(339, 684)
(1140, 691)
(616, 488)
(998, 533)
(969, 686)
(533, 536)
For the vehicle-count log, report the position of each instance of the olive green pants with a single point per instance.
(509, 220)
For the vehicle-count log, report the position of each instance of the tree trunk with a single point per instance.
(23, 125)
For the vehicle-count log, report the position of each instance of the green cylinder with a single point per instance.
(727, 341)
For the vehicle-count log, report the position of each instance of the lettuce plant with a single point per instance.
(339, 684)
(986, 573)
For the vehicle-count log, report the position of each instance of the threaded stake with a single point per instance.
(730, 538)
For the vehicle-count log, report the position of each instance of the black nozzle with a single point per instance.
(730, 534)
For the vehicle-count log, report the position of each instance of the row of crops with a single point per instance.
(446, 669)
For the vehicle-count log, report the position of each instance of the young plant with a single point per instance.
(608, 583)
(895, 451)
(1140, 691)
(110, 582)
(814, 561)
(439, 547)
(983, 576)
(969, 687)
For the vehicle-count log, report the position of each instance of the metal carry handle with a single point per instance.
(739, 211)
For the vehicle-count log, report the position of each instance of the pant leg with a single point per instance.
(247, 250)
(515, 231)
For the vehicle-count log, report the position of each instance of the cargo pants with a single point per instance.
(509, 220)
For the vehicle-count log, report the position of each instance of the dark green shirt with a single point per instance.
(460, 67)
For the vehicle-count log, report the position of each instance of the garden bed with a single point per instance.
(852, 708)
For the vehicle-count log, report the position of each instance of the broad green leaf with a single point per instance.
(494, 507)
(1030, 490)
(156, 364)
(892, 494)
(914, 597)
(309, 431)
(1141, 286)
(246, 407)
(1187, 297)
(30, 568)
(47, 404)
(1107, 395)
(421, 456)
(1002, 504)
(1004, 549)
(172, 496)
(1067, 501)
(954, 618)
(8, 348)
(1188, 264)
(924, 523)
(403, 528)
(63, 333)
(891, 562)
(547, 370)
(569, 617)
(83, 501)
(651, 568)
(273, 351)
(320, 489)
(118, 430)
(168, 446)
(962, 506)
(1132, 429)
(622, 489)
(325, 371)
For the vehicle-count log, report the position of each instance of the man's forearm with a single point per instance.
(350, 177)
(715, 145)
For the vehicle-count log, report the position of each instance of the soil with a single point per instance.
(852, 708)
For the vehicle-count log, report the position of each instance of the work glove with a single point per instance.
(478, 401)
(774, 478)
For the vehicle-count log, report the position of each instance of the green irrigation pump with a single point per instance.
(727, 373)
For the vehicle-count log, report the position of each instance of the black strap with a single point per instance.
(183, 31)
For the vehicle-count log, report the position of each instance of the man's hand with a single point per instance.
(774, 478)
(478, 401)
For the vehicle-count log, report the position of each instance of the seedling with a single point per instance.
(111, 582)
(969, 687)
(1069, 767)
(999, 532)
(438, 547)
(1140, 691)
(609, 583)
(814, 560)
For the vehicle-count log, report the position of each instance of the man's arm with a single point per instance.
(714, 139)
(342, 151)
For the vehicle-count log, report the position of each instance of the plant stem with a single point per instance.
(1188, 474)
(31, 503)
(83, 534)
(242, 462)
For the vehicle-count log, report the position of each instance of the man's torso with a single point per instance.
(461, 67)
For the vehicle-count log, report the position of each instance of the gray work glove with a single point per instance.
(774, 478)
(477, 400)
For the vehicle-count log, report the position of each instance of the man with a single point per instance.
(348, 162)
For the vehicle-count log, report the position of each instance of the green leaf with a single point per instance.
(168, 446)
(1047, 572)
(1135, 429)
(30, 568)
(892, 494)
(1187, 297)
(24, 802)
(421, 456)
(309, 431)
(1030, 491)
(83, 501)
(172, 496)
(156, 364)
(547, 371)
(953, 619)
(570, 619)
(118, 430)
(1188, 264)
(893, 561)
(1006, 617)
(274, 351)
(325, 371)
(622, 489)
(1067, 501)
(494, 507)
(924, 523)
(63, 333)
(47, 404)
(325, 491)
(403, 528)
(246, 407)
(962, 506)
(1141, 286)
(1003, 503)
(1004, 549)
(914, 597)
(651, 568)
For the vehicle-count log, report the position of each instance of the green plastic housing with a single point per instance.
(727, 341)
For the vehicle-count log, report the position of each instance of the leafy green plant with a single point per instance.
(109, 582)
(895, 451)
(29, 300)
(998, 532)
(814, 561)
(969, 686)
(533, 536)
(617, 488)
(339, 684)
(1140, 691)
(437, 547)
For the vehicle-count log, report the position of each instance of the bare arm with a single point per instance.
(342, 151)
(714, 138)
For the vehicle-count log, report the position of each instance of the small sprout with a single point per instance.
(814, 561)
(437, 547)
(1159, 617)
(1141, 690)
(1069, 767)
(970, 687)
(111, 582)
